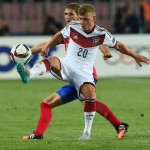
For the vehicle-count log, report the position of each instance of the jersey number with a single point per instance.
(82, 52)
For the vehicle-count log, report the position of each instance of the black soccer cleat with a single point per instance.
(122, 129)
(33, 136)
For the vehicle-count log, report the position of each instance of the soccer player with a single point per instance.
(67, 94)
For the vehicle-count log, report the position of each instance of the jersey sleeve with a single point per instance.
(66, 32)
(109, 39)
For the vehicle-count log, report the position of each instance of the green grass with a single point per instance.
(127, 97)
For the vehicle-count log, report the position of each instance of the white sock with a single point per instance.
(89, 116)
(38, 69)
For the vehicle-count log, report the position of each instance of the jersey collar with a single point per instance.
(91, 30)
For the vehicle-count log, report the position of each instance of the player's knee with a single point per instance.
(88, 91)
(89, 95)
(48, 100)
(55, 63)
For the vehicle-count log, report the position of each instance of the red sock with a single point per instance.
(103, 110)
(45, 118)
(89, 106)
(47, 64)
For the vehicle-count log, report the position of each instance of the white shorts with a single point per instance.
(76, 73)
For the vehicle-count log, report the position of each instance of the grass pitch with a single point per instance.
(127, 97)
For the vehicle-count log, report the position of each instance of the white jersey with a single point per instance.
(84, 46)
(77, 65)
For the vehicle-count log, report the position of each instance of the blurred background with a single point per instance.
(123, 85)
(44, 17)
(34, 21)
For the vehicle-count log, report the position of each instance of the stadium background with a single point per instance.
(34, 21)
(126, 92)
(29, 16)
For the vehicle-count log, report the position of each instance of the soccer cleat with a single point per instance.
(33, 136)
(85, 136)
(23, 72)
(121, 130)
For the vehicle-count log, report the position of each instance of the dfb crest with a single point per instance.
(96, 41)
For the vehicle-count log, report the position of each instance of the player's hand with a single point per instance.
(44, 52)
(141, 58)
(107, 56)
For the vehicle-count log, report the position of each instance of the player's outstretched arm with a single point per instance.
(38, 48)
(126, 50)
(52, 42)
(105, 51)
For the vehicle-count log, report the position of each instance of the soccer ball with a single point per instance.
(20, 53)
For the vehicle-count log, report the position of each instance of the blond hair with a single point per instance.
(86, 8)
(74, 6)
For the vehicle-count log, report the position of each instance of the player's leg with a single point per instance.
(69, 93)
(46, 112)
(66, 94)
(40, 68)
(45, 115)
(88, 92)
(106, 112)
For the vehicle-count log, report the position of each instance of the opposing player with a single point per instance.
(68, 93)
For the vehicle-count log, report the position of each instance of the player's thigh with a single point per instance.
(53, 100)
(68, 93)
(85, 85)
(88, 90)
